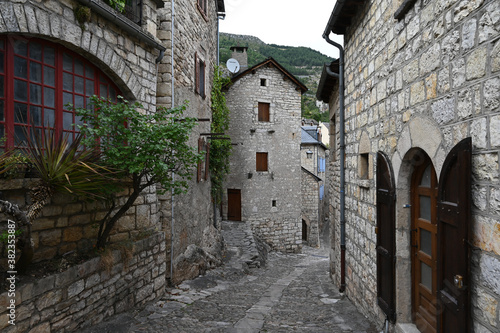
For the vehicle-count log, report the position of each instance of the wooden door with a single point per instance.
(234, 205)
(386, 245)
(454, 214)
(424, 249)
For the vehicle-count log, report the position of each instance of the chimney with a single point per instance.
(240, 53)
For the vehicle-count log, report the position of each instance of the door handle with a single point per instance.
(458, 280)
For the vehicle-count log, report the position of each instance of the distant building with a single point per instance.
(263, 187)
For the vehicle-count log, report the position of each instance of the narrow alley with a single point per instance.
(289, 293)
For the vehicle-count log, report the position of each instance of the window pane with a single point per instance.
(2, 132)
(19, 136)
(1, 87)
(1, 111)
(35, 51)
(426, 275)
(67, 121)
(21, 48)
(67, 99)
(48, 97)
(78, 85)
(78, 67)
(426, 241)
(426, 177)
(112, 94)
(103, 91)
(35, 72)
(425, 207)
(48, 117)
(89, 72)
(35, 94)
(49, 75)
(20, 91)
(20, 67)
(36, 115)
(78, 120)
(20, 113)
(49, 56)
(89, 88)
(67, 82)
(2, 57)
(67, 62)
(79, 101)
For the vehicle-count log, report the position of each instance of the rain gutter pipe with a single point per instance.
(131, 28)
(172, 35)
(340, 77)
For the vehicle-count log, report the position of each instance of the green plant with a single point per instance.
(147, 147)
(5, 235)
(82, 14)
(220, 148)
(13, 164)
(118, 5)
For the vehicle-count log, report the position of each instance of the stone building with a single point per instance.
(51, 55)
(313, 161)
(263, 187)
(415, 139)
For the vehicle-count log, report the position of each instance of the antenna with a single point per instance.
(233, 65)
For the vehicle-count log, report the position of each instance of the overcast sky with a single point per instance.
(282, 22)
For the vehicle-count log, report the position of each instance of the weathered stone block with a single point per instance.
(48, 299)
(72, 234)
(476, 64)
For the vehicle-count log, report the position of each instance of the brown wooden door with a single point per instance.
(234, 205)
(424, 249)
(454, 214)
(386, 245)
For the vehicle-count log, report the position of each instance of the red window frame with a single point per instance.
(37, 79)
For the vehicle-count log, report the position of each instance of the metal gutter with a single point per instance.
(121, 21)
(340, 76)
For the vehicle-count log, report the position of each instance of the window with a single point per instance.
(203, 166)
(199, 76)
(263, 82)
(202, 7)
(273, 203)
(363, 166)
(263, 111)
(321, 164)
(261, 161)
(37, 80)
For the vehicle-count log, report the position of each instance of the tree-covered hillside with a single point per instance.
(304, 63)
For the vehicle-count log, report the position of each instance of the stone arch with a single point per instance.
(421, 133)
(35, 22)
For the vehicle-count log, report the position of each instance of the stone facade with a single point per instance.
(271, 199)
(137, 58)
(86, 294)
(310, 208)
(421, 83)
(195, 40)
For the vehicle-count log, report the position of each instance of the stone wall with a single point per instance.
(271, 200)
(310, 207)
(195, 37)
(90, 292)
(427, 81)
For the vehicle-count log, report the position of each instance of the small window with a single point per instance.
(199, 75)
(203, 165)
(274, 203)
(202, 7)
(263, 82)
(261, 162)
(363, 166)
(263, 111)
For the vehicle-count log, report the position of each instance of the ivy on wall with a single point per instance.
(220, 145)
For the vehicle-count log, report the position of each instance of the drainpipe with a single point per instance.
(340, 76)
(173, 174)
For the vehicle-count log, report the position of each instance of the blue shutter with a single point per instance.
(321, 192)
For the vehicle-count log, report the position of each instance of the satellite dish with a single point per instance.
(233, 65)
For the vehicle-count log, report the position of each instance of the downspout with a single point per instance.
(340, 76)
(173, 174)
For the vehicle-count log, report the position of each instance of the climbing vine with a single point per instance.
(220, 146)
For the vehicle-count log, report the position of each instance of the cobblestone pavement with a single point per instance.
(291, 293)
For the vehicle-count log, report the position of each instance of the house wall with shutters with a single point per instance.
(426, 81)
(270, 200)
(195, 42)
(310, 207)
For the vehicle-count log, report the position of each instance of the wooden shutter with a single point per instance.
(207, 160)
(261, 162)
(453, 218)
(263, 111)
(196, 74)
(386, 245)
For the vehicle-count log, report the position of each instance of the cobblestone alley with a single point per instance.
(290, 293)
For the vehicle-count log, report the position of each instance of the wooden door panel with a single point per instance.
(386, 246)
(234, 205)
(454, 214)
